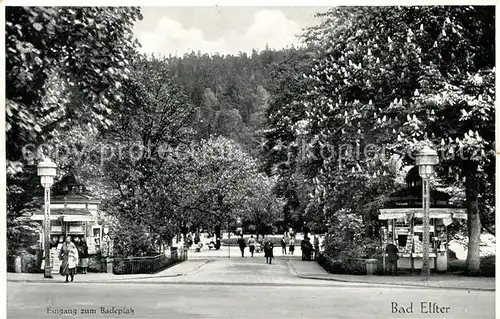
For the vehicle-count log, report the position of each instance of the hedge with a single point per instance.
(352, 266)
(487, 266)
(357, 266)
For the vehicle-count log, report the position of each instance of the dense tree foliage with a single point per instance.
(63, 66)
(219, 182)
(384, 78)
(230, 93)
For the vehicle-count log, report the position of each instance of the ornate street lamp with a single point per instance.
(47, 172)
(426, 159)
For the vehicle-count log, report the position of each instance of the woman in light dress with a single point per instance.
(69, 257)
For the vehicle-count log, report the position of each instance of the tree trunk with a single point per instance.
(473, 220)
(217, 231)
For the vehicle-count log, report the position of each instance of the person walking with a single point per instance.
(69, 257)
(292, 245)
(242, 244)
(392, 257)
(268, 251)
(251, 244)
(283, 245)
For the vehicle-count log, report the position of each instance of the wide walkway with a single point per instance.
(234, 251)
(285, 270)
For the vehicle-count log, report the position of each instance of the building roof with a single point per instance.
(70, 190)
(411, 196)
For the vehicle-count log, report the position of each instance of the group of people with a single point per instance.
(268, 247)
(287, 241)
(306, 247)
(213, 244)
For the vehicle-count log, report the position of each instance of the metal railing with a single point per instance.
(142, 265)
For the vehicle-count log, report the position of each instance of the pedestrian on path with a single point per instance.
(251, 244)
(268, 251)
(283, 245)
(316, 247)
(83, 262)
(392, 257)
(242, 244)
(69, 257)
(292, 245)
(306, 248)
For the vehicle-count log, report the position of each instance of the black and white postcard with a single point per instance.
(248, 161)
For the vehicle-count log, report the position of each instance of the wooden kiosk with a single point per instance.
(72, 213)
(404, 214)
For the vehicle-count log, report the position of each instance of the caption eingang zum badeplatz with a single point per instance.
(138, 151)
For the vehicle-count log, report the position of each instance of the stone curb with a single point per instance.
(396, 284)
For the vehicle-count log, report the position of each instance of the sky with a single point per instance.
(179, 30)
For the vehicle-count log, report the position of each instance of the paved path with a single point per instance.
(285, 270)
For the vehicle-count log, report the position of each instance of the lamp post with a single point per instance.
(47, 172)
(426, 159)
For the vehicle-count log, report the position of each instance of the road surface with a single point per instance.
(241, 288)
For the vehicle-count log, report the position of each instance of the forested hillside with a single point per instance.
(230, 93)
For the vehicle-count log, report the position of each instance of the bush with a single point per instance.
(340, 248)
(30, 261)
(457, 265)
(487, 266)
(132, 240)
(351, 266)
(94, 264)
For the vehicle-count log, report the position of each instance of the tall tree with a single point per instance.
(283, 149)
(150, 123)
(389, 76)
(64, 66)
